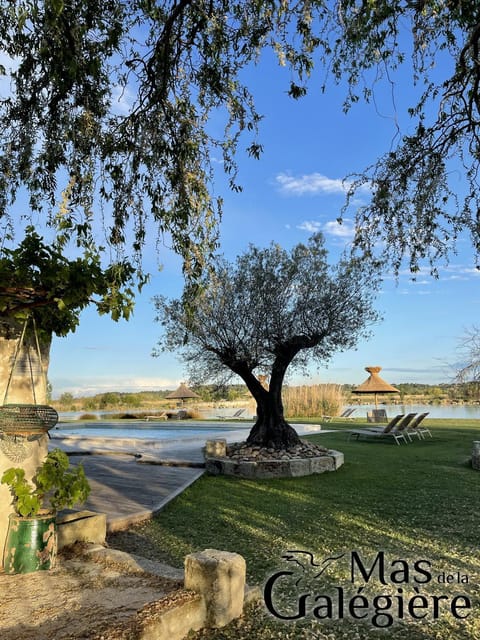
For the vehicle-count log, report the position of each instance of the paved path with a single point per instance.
(133, 478)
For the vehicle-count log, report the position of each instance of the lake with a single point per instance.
(459, 411)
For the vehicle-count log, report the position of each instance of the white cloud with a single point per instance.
(313, 184)
(91, 385)
(346, 230)
(123, 99)
(414, 292)
(312, 226)
(309, 184)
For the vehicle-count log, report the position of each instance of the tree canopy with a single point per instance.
(270, 310)
(37, 281)
(109, 107)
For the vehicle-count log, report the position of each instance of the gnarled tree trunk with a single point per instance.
(271, 429)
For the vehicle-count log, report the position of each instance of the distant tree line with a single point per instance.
(461, 392)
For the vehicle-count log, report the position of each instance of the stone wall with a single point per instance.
(219, 461)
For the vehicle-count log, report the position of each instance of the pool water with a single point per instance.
(140, 430)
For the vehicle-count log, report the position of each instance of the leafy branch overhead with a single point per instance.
(112, 101)
(38, 280)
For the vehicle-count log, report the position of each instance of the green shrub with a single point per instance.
(55, 486)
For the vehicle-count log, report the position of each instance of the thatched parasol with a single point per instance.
(182, 393)
(374, 384)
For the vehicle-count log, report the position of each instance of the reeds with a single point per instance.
(313, 400)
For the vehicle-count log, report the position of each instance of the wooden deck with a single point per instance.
(127, 491)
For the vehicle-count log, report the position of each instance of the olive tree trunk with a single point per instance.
(270, 430)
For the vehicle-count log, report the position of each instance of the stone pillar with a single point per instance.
(220, 577)
(28, 364)
(216, 448)
(20, 452)
(476, 455)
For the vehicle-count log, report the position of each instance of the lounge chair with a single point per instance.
(388, 431)
(158, 416)
(237, 414)
(415, 428)
(348, 413)
(401, 425)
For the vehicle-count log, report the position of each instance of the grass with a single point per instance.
(412, 502)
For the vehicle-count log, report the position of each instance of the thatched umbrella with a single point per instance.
(374, 384)
(182, 393)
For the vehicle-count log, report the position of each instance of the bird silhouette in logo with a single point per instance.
(306, 560)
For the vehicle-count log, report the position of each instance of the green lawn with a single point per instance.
(416, 502)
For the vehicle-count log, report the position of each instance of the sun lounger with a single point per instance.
(236, 415)
(159, 416)
(389, 431)
(348, 414)
(401, 425)
(415, 428)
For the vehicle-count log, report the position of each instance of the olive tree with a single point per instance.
(469, 352)
(269, 311)
(109, 102)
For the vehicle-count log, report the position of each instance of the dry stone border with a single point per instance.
(251, 461)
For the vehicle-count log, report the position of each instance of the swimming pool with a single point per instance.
(137, 429)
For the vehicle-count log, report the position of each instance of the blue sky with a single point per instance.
(293, 190)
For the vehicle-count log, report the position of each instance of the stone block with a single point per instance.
(325, 463)
(81, 526)
(299, 468)
(245, 469)
(176, 622)
(216, 448)
(219, 576)
(476, 455)
(338, 457)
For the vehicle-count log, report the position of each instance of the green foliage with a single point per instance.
(112, 101)
(55, 486)
(27, 503)
(109, 399)
(37, 280)
(66, 399)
